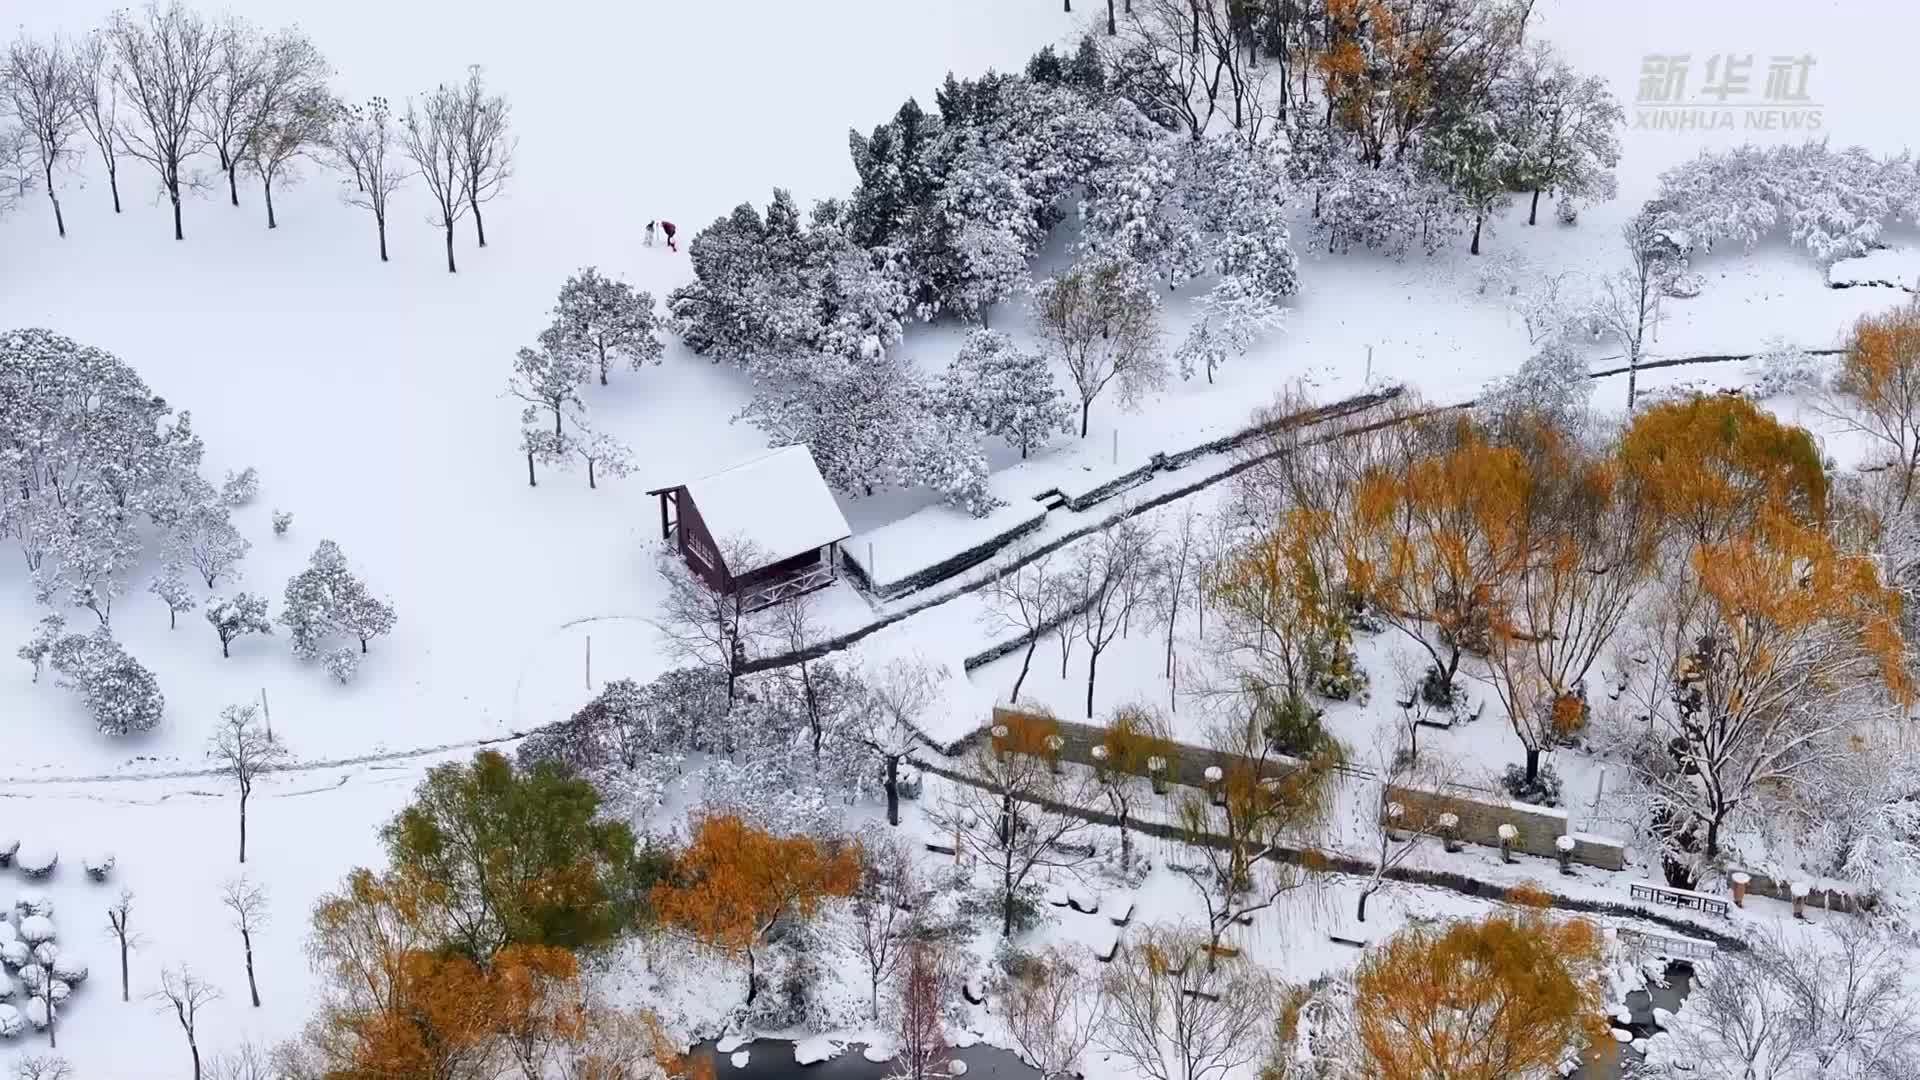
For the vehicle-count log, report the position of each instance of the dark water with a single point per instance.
(772, 1059)
(1641, 1003)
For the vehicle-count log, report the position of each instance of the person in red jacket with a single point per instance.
(666, 227)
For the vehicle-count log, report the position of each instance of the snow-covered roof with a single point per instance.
(776, 504)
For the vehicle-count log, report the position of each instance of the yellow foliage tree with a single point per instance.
(734, 881)
(1511, 995)
(1877, 391)
(1709, 465)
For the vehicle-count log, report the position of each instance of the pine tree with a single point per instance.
(606, 320)
(1006, 392)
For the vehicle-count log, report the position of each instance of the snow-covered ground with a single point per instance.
(370, 396)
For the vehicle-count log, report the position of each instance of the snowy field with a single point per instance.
(371, 398)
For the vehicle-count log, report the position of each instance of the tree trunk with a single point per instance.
(173, 620)
(1533, 764)
(178, 232)
(1006, 891)
(1025, 663)
(233, 190)
(381, 223)
(753, 977)
(120, 930)
(1475, 249)
(590, 484)
(1533, 212)
(1633, 380)
(1069, 6)
(243, 826)
(1112, 29)
(113, 184)
(195, 1047)
(1093, 664)
(893, 789)
(267, 186)
(1084, 406)
(1362, 913)
(53, 196)
(451, 269)
(479, 227)
(253, 988)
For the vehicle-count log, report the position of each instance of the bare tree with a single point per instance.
(184, 994)
(1259, 802)
(169, 59)
(1102, 320)
(42, 1067)
(291, 112)
(117, 919)
(702, 623)
(1174, 1018)
(1628, 307)
(247, 902)
(242, 749)
(901, 692)
(1025, 596)
(883, 922)
(248, 1061)
(1053, 1008)
(227, 110)
(794, 625)
(1177, 571)
(484, 149)
(927, 977)
(16, 171)
(431, 136)
(1133, 737)
(40, 79)
(1017, 813)
(1397, 829)
(99, 96)
(1113, 573)
(366, 140)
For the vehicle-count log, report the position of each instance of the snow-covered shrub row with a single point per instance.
(95, 467)
(1835, 203)
(632, 739)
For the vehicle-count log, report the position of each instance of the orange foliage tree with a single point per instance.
(733, 882)
(1511, 995)
(1133, 737)
(1430, 540)
(1589, 549)
(395, 1004)
(1278, 597)
(1709, 465)
(1877, 391)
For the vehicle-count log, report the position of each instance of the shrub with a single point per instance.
(343, 664)
(282, 521)
(1542, 790)
(241, 487)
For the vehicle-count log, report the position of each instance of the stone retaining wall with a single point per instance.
(1481, 816)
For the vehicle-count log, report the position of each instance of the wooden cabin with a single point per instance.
(766, 529)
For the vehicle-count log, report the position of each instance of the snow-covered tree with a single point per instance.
(548, 380)
(603, 454)
(39, 647)
(1566, 129)
(172, 589)
(1475, 155)
(206, 540)
(232, 617)
(240, 487)
(1628, 308)
(343, 664)
(1005, 391)
(326, 599)
(1835, 203)
(121, 695)
(1231, 321)
(1551, 386)
(1102, 321)
(606, 318)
